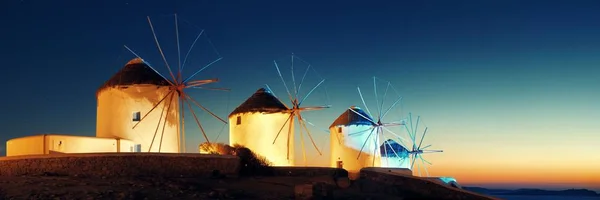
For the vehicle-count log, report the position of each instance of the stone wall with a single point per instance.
(309, 171)
(379, 181)
(120, 164)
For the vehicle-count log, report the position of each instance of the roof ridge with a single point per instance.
(262, 101)
(136, 71)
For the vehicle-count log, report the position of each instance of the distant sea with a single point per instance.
(543, 197)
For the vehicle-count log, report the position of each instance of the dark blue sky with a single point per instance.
(520, 73)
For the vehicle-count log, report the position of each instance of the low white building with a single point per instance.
(55, 143)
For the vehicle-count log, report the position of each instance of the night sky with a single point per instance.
(509, 89)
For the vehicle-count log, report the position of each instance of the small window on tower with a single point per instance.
(339, 129)
(137, 116)
(239, 120)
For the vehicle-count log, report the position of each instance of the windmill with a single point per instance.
(416, 151)
(357, 131)
(178, 86)
(296, 108)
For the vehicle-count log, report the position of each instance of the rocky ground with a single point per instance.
(72, 187)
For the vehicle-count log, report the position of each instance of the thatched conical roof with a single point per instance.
(135, 72)
(262, 101)
(351, 118)
(390, 148)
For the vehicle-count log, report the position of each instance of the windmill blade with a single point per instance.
(211, 88)
(227, 108)
(271, 91)
(391, 107)
(206, 66)
(411, 128)
(376, 149)
(203, 108)
(160, 49)
(201, 82)
(178, 50)
(144, 117)
(416, 130)
(190, 49)
(383, 99)
(422, 137)
(311, 91)
(327, 131)
(314, 108)
(289, 136)
(401, 122)
(412, 165)
(153, 69)
(158, 126)
(385, 151)
(294, 79)
(432, 151)
(410, 135)
(364, 144)
(302, 81)
(423, 159)
(197, 121)
(165, 123)
(392, 124)
(302, 144)
(361, 115)
(398, 136)
(286, 121)
(310, 123)
(359, 132)
(376, 100)
(424, 167)
(282, 80)
(365, 104)
(308, 133)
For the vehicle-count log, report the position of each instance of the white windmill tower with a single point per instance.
(258, 119)
(126, 110)
(358, 135)
(297, 97)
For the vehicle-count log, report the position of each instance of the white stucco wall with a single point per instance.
(30, 145)
(52, 143)
(126, 146)
(115, 116)
(395, 162)
(348, 147)
(257, 132)
(79, 144)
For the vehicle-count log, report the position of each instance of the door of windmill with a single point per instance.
(340, 164)
(137, 148)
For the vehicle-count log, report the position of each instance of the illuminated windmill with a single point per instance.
(294, 111)
(415, 150)
(357, 131)
(152, 130)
